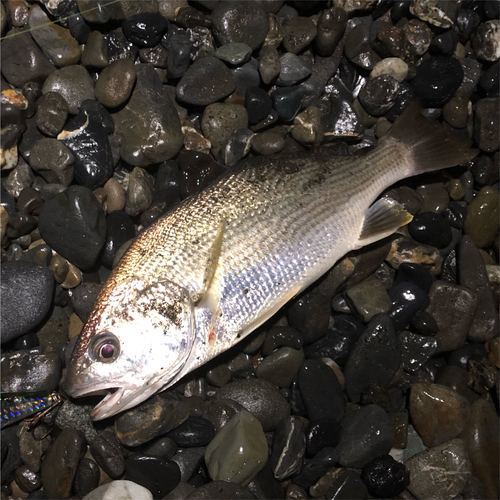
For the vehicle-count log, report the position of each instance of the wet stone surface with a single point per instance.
(114, 113)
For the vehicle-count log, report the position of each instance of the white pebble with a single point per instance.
(393, 66)
(119, 490)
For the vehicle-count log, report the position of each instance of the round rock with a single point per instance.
(115, 83)
(26, 297)
(51, 113)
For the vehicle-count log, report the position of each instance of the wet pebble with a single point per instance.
(239, 22)
(415, 350)
(152, 418)
(293, 69)
(74, 83)
(95, 54)
(234, 53)
(51, 113)
(322, 433)
(86, 477)
(257, 103)
(287, 101)
(366, 433)
(321, 391)
(120, 229)
(431, 229)
(140, 191)
(451, 458)
(268, 143)
(299, 33)
(289, 446)
(107, 453)
(158, 475)
(310, 315)
(379, 94)
(238, 451)
(195, 431)
(222, 490)
(145, 29)
(486, 124)
(407, 300)
(53, 160)
(485, 41)
(269, 63)
(205, 82)
(63, 456)
(279, 336)
(259, 397)
(453, 308)
(148, 126)
(368, 298)
(281, 366)
(115, 490)
(115, 83)
(26, 297)
(358, 49)
(374, 359)
(384, 477)
(331, 25)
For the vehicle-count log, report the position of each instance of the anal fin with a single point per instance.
(383, 218)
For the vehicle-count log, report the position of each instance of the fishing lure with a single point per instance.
(16, 408)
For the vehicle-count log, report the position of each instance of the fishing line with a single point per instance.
(99, 6)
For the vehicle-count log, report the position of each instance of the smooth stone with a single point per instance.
(222, 490)
(338, 341)
(299, 33)
(307, 126)
(453, 307)
(195, 431)
(87, 477)
(358, 49)
(189, 461)
(162, 447)
(74, 83)
(53, 160)
(268, 143)
(438, 413)
(484, 171)
(392, 66)
(207, 80)
(22, 59)
(221, 411)
(60, 463)
(179, 53)
(366, 433)
(431, 229)
(78, 28)
(145, 29)
(316, 467)
(281, 336)
(107, 453)
(379, 94)
(51, 113)
(287, 101)
(115, 83)
(289, 446)
(239, 451)
(74, 225)
(486, 124)
(239, 22)
(415, 350)
(485, 42)
(55, 41)
(157, 56)
(94, 54)
(331, 26)
(30, 371)
(455, 112)
(451, 460)
(265, 485)
(322, 433)
(220, 120)
(234, 53)
(259, 397)
(374, 359)
(481, 213)
(269, 63)
(257, 103)
(407, 300)
(481, 441)
(321, 391)
(245, 76)
(120, 230)
(140, 192)
(154, 417)
(83, 298)
(158, 475)
(26, 297)
(293, 69)
(437, 80)
(148, 126)
(281, 366)
(238, 146)
(416, 274)
(310, 315)
(384, 477)
(122, 489)
(368, 299)
(119, 47)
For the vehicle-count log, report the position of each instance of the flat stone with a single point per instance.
(94, 54)
(368, 298)
(281, 366)
(440, 472)
(289, 446)
(51, 113)
(453, 307)
(53, 161)
(55, 41)
(299, 33)
(438, 413)
(238, 451)
(149, 126)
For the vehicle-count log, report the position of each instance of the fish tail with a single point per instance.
(431, 146)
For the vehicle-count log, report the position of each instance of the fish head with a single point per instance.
(137, 339)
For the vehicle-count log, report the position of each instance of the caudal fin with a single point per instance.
(432, 146)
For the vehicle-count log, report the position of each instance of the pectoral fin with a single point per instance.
(384, 217)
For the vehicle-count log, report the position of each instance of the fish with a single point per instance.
(225, 260)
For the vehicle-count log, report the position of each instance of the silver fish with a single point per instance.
(228, 258)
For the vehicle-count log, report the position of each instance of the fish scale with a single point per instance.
(226, 259)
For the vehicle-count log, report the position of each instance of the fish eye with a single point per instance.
(104, 348)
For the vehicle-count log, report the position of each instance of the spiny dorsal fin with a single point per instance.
(384, 217)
